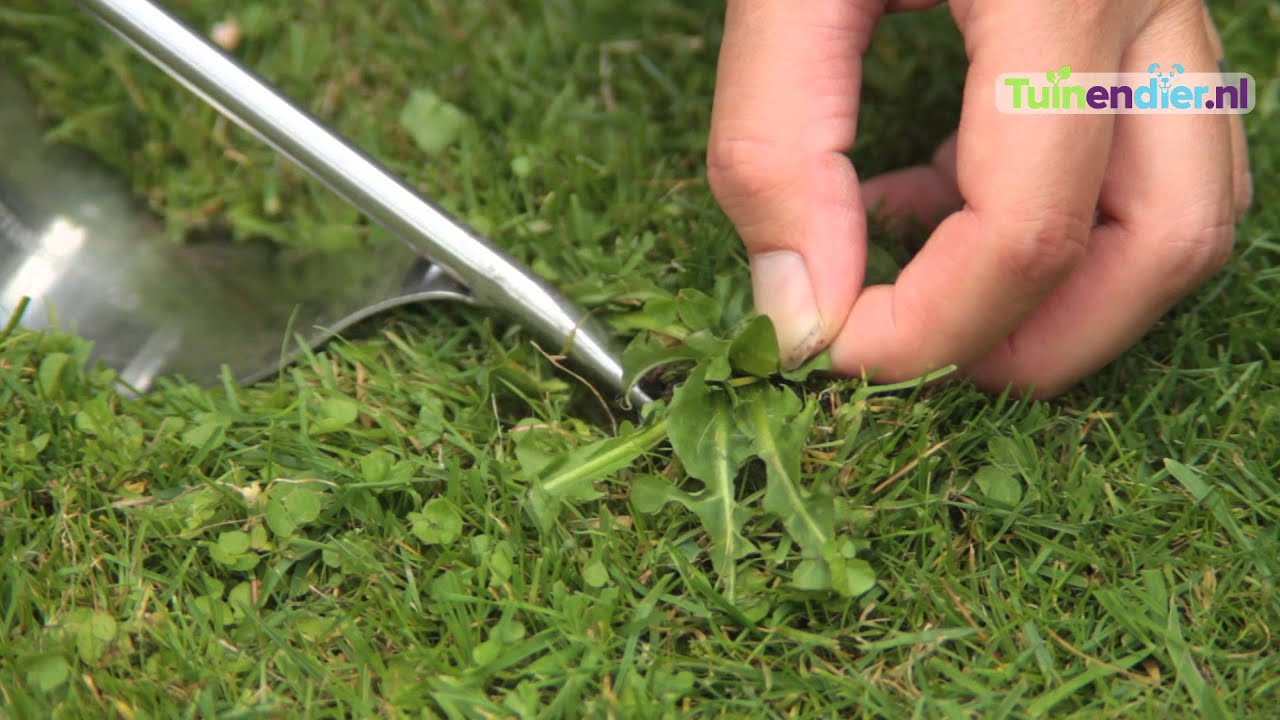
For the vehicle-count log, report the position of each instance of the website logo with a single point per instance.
(1162, 90)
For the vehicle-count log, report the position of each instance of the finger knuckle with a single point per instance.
(1038, 383)
(1042, 249)
(1092, 12)
(1030, 384)
(1020, 368)
(1083, 15)
(745, 169)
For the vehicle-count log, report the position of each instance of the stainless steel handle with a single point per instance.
(496, 279)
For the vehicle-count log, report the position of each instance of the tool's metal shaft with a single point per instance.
(496, 279)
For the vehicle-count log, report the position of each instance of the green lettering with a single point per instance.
(1042, 100)
(1017, 84)
(1072, 91)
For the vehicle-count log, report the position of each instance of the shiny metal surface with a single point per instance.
(73, 240)
(494, 278)
(91, 260)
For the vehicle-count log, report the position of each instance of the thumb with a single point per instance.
(785, 112)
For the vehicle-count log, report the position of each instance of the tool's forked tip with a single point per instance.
(638, 398)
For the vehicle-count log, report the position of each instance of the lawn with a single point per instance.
(428, 518)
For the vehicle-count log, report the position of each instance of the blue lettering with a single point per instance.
(1146, 97)
(1180, 97)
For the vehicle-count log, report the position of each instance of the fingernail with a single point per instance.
(784, 292)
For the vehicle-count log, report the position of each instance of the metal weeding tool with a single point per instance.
(207, 290)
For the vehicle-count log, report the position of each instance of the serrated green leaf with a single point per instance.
(717, 369)
(659, 313)
(754, 350)
(712, 449)
(707, 344)
(698, 310)
(698, 582)
(701, 429)
(778, 423)
(572, 477)
(650, 493)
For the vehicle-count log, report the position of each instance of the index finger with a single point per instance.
(785, 113)
(1030, 185)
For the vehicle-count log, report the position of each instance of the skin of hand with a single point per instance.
(1058, 240)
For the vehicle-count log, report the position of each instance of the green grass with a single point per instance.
(352, 538)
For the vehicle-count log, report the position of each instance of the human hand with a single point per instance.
(1063, 238)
